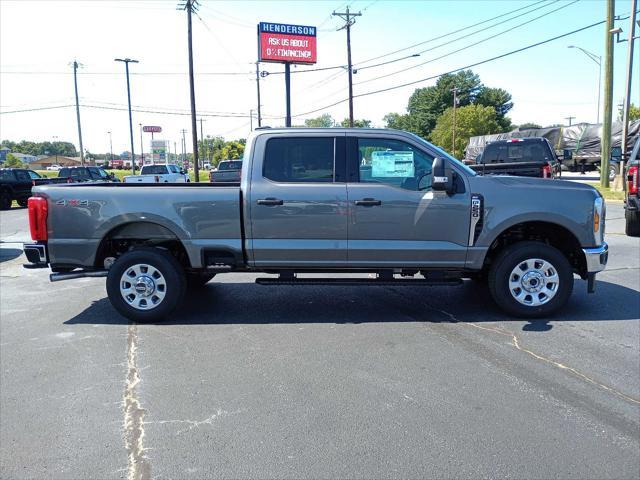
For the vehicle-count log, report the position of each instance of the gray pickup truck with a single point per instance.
(338, 201)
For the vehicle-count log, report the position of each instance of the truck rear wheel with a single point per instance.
(146, 284)
(531, 280)
(632, 223)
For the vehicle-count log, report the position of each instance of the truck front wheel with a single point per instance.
(531, 279)
(146, 284)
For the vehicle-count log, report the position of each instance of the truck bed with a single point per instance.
(201, 215)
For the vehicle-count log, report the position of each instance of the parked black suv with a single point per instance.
(522, 157)
(86, 174)
(15, 184)
(631, 201)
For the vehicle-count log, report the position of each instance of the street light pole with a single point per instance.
(141, 146)
(598, 60)
(126, 67)
(627, 96)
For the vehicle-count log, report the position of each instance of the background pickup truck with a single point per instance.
(159, 174)
(632, 198)
(337, 201)
(228, 171)
(523, 157)
(16, 184)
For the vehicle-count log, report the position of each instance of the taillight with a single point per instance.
(38, 211)
(546, 171)
(632, 179)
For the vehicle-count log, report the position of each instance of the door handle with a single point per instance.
(368, 202)
(271, 202)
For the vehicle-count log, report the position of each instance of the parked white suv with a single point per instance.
(159, 174)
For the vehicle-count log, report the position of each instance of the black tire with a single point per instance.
(632, 223)
(5, 200)
(198, 280)
(172, 275)
(516, 255)
(24, 202)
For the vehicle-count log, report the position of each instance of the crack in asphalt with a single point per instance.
(138, 467)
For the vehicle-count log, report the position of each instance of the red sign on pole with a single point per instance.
(282, 43)
(151, 129)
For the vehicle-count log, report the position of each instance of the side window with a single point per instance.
(394, 163)
(63, 172)
(94, 173)
(33, 175)
(22, 176)
(5, 175)
(299, 159)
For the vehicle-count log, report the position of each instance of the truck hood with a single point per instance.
(526, 183)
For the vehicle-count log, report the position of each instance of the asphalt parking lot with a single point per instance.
(251, 381)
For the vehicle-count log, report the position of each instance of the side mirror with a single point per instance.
(442, 176)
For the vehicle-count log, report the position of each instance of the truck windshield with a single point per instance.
(154, 170)
(236, 165)
(514, 152)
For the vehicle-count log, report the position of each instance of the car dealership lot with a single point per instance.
(308, 381)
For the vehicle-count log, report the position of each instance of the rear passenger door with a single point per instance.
(297, 201)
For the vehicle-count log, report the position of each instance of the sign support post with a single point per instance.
(287, 87)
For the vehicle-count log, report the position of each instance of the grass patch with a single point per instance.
(607, 193)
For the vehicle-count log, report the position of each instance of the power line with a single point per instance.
(497, 57)
(478, 42)
(452, 33)
(36, 109)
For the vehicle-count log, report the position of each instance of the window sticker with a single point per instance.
(390, 164)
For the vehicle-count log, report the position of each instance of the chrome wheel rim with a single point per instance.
(534, 282)
(143, 286)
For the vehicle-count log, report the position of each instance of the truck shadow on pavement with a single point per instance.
(7, 254)
(247, 303)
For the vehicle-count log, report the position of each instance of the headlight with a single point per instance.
(598, 220)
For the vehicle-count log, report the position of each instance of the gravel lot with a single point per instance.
(250, 381)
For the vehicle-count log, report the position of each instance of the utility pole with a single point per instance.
(127, 61)
(191, 6)
(204, 148)
(455, 104)
(258, 84)
(627, 95)
(605, 141)
(569, 118)
(75, 82)
(184, 146)
(110, 150)
(348, 18)
(175, 151)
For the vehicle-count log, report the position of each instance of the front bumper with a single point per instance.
(596, 258)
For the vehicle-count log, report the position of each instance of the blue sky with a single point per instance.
(548, 83)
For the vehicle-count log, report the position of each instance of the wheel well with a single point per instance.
(129, 236)
(546, 232)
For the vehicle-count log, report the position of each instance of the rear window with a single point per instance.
(299, 159)
(237, 165)
(515, 152)
(154, 170)
(6, 175)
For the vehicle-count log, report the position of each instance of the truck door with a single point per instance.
(395, 218)
(297, 201)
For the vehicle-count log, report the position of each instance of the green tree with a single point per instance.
(357, 123)
(529, 125)
(634, 113)
(232, 150)
(471, 120)
(427, 104)
(323, 121)
(13, 162)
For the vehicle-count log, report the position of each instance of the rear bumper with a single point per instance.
(596, 258)
(36, 253)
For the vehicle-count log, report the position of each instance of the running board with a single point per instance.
(355, 281)
(58, 277)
